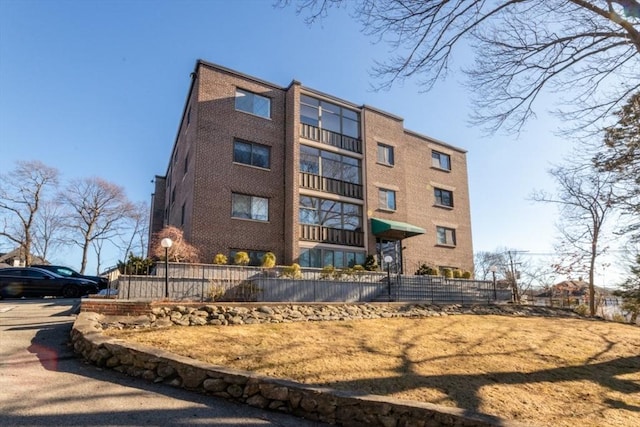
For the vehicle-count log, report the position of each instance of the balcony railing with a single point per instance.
(330, 185)
(332, 138)
(317, 233)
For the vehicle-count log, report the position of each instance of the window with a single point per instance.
(251, 154)
(440, 160)
(318, 258)
(329, 116)
(329, 165)
(446, 236)
(253, 103)
(387, 199)
(182, 214)
(444, 197)
(250, 207)
(186, 163)
(385, 154)
(330, 213)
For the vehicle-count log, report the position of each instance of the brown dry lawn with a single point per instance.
(540, 371)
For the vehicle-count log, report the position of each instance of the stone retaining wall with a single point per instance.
(314, 403)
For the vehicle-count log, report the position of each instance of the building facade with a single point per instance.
(315, 179)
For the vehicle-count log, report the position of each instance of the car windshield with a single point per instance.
(64, 271)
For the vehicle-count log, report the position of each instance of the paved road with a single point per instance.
(42, 383)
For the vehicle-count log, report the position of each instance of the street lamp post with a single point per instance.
(166, 243)
(388, 260)
(493, 270)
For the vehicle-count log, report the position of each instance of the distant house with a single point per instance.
(567, 288)
(16, 259)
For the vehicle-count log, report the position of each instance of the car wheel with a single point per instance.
(71, 291)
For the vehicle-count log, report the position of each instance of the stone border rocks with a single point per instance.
(313, 403)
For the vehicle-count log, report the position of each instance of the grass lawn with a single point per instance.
(540, 371)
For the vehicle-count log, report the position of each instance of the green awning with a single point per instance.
(394, 230)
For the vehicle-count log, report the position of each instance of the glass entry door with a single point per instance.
(392, 248)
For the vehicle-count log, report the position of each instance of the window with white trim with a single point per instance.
(385, 154)
(387, 199)
(446, 236)
(440, 160)
(443, 197)
(249, 207)
(253, 103)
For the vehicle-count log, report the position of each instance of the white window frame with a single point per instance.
(449, 236)
(384, 204)
(388, 154)
(252, 215)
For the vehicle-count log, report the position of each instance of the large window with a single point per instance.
(387, 199)
(250, 207)
(440, 160)
(330, 213)
(321, 257)
(250, 102)
(329, 165)
(443, 197)
(385, 154)
(328, 116)
(446, 236)
(249, 153)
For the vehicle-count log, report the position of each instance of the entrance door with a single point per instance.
(392, 248)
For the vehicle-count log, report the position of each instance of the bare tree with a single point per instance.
(22, 192)
(48, 229)
(134, 239)
(587, 49)
(180, 250)
(621, 157)
(586, 201)
(97, 210)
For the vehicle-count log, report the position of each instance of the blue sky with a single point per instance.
(96, 88)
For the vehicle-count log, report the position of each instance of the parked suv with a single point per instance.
(61, 270)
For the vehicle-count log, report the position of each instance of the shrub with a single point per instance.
(425, 270)
(370, 264)
(215, 291)
(582, 310)
(241, 258)
(220, 259)
(327, 272)
(457, 273)
(619, 318)
(447, 273)
(269, 260)
(466, 275)
(293, 271)
(136, 265)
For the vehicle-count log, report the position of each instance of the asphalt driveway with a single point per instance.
(43, 383)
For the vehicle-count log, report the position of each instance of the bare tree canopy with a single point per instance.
(22, 192)
(621, 157)
(587, 50)
(586, 200)
(97, 209)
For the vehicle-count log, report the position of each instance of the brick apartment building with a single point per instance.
(315, 179)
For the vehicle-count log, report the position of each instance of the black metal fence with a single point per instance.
(205, 282)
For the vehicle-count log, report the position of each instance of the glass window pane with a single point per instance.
(241, 206)
(261, 157)
(330, 121)
(308, 216)
(309, 161)
(260, 208)
(242, 152)
(327, 258)
(304, 99)
(350, 128)
(309, 115)
(338, 259)
(261, 106)
(391, 199)
(360, 258)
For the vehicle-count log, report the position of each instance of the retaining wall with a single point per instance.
(314, 403)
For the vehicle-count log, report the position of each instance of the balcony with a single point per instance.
(329, 185)
(331, 138)
(317, 233)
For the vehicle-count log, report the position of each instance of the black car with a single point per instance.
(61, 270)
(16, 282)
